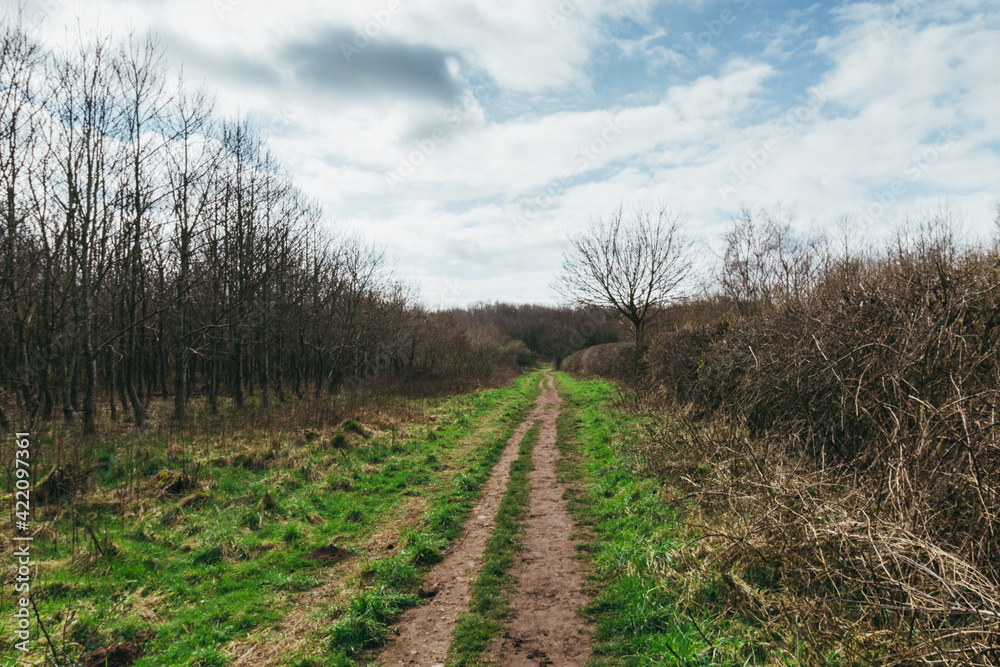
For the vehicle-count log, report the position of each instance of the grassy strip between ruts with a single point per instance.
(490, 604)
(389, 585)
(649, 607)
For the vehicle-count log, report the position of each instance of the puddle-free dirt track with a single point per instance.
(546, 629)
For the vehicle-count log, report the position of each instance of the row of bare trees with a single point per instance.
(151, 249)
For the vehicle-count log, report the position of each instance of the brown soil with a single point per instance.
(330, 554)
(116, 655)
(546, 629)
(425, 631)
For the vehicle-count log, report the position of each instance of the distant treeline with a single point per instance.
(546, 331)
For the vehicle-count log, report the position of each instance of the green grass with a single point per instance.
(366, 621)
(490, 603)
(202, 574)
(646, 609)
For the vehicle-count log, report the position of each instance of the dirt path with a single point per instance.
(425, 631)
(546, 629)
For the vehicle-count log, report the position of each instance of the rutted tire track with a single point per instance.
(425, 631)
(546, 629)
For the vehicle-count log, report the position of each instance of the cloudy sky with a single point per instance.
(469, 137)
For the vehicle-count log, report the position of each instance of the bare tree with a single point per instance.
(996, 223)
(139, 73)
(193, 159)
(765, 262)
(630, 262)
(20, 61)
(85, 105)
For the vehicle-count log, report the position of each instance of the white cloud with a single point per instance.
(897, 75)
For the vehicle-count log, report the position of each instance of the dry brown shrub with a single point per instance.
(60, 483)
(845, 444)
(808, 555)
(610, 360)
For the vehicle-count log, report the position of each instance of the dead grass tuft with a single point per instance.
(173, 482)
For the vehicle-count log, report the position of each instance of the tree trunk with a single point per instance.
(134, 398)
(180, 376)
(112, 404)
(138, 409)
(69, 415)
(213, 387)
(90, 392)
(237, 369)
